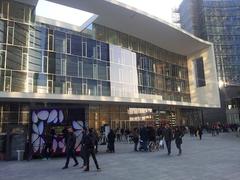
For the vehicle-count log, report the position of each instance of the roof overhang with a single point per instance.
(132, 21)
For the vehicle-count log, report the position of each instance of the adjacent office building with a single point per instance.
(218, 21)
(121, 67)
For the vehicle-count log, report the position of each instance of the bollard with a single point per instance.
(20, 155)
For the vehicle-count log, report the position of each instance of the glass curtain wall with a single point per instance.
(160, 72)
(222, 21)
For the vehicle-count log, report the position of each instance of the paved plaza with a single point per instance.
(213, 158)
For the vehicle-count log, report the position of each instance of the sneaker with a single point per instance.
(86, 170)
(65, 167)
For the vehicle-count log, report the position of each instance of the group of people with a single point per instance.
(143, 137)
(149, 135)
(87, 148)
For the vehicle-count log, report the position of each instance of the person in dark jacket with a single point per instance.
(178, 134)
(83, 149)
(111, 140)
(144, 139)
(168, 137)
(200, 133)
(135, 135)
(88, 143)
(48, 144)
(70, 142)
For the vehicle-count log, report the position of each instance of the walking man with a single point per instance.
(70, 144)
(178, 139)
(88, 142)
(200, 132)
(168, 137)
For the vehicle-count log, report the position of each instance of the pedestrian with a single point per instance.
(88, 142)
(200, 133)
(48, 144)
(70, 142)
(160, 133)
(135, 138)
(118, 133)
(96, 140)
(178, 134)
(122, 134)
(111, 140)
(168, 137)
(143, 139)
(83, 149)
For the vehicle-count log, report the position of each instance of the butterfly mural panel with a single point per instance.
(41, 120)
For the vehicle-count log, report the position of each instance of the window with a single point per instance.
(99, 89)
(7, 83)
(2, 59)
(68, 45)
(63, 66)
(84, 49)
(32, 38)
(84, 88)
(95, 71)
(45, 64)
(98, 52)
(199, 72)
(10, 35)
(80, 70)
(50, 42)
(24, 64)
(108, 72)
(50, 86)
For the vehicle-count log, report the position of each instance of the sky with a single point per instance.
(159, 8)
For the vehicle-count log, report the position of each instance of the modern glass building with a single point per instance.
(122, 67)
(218, 22)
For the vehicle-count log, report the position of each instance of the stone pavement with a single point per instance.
(213, 158)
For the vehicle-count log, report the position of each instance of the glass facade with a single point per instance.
(41, 58)
(160, 72)
(217, 22)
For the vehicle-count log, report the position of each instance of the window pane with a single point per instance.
(87, 69)
(14, 58)
(104, 51)
(60, 41)
(20, 34)
(16, 11)
(199, 72)
(76, 45)
(72, 66)
(3, 33)
(50, 43)
(91, 46)
(2, 59)
(41, 38)
(17, 81)
(102, 71)
(10, 35)
(35, 60)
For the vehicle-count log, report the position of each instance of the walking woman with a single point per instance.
(178, 139)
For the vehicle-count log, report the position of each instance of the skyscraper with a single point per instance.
(218, 21)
